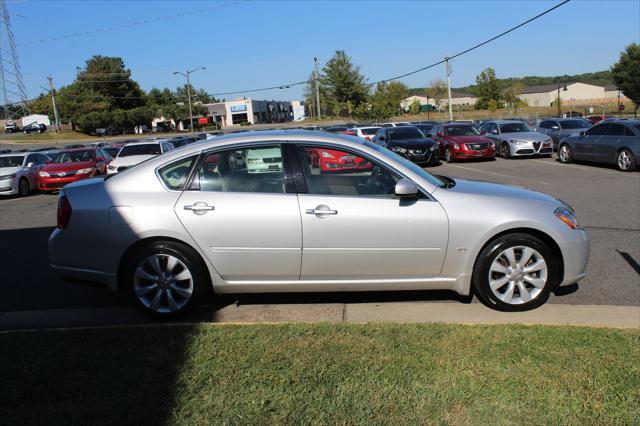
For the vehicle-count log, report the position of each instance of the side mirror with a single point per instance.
(100, 159)
(29, 164)
(583, 133)
(406, 188)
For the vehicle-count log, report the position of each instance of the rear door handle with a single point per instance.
(199, 207)
(322, 210)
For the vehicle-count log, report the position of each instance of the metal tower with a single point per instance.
(14, 94)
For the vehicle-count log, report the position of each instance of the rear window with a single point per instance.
(404, 132)
(175, 175)
(13, 161)
(142, 149)
(370, 131)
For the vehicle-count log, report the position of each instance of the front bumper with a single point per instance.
(56, 183)
(531, 148)
(428, 157)
(471, 154)
(9, 186)
(575, 253)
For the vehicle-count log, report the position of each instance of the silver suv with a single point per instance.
(515, 138)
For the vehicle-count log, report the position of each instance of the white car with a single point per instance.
(365, 132)
(267, 160)
(396, 124)
(19, 172)
(135, 153)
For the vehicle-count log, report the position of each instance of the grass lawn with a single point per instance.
(322, 374)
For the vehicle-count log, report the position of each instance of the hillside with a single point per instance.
(599, 78)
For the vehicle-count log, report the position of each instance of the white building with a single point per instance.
(546, 95)
(463, 99)
(611, 92)
(34, 118)
(249, 111)
(456, 99)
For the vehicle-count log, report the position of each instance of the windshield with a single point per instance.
(461, 131)
(514, 128)
(574, 124)
(72, 157)
(13, 161)
(408, 164)
(369, 130)
(401, 133)
(142, 149)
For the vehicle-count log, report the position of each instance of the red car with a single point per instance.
(71, 165)
(463, 142)
(330, 160)
(594, 119)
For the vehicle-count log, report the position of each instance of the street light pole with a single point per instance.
(187, 75)
(558, 100)
(53, 101)
(315, 65)
(448, 68)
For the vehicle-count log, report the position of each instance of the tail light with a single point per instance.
(64, 212)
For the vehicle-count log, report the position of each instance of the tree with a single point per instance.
(512, 96)
(384, 102)
(414, 108)
(344, 83)
(437, 90)
(626, 74)
(487, 88)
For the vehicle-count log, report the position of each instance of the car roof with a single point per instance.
(14, 154)
(156, 142)
(505, 121)
(89, 148)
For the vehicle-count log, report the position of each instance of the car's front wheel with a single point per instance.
(505, 151)
(515, 272)
(165, 279)
(447, 155)
(23, 187)
(564, 154)
(625, 161)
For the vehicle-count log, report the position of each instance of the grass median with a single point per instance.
(322, 373)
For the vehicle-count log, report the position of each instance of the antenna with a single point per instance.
(14, 94)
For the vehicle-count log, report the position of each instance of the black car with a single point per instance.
(336, 129)
(34, 128)
(424, 128)
(74, 146)
(410, 143)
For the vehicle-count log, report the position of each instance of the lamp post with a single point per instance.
(186, 74)
(564, 89)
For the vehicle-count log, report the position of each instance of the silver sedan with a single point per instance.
(307, 211)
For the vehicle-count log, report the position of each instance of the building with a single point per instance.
(546, 95)
(611, 92)
(462, 99)
(457, 98)
(248, 111)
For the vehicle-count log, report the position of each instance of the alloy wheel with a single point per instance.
(23, 187)
(518, 275)
(564, 153)
(163, 283)
(624, 160)
(447, 155)
(505, 151)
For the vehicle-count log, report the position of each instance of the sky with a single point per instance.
(255, 44)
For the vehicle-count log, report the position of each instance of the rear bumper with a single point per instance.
(87, 276)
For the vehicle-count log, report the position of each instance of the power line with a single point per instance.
(130, 25)
(282, 86)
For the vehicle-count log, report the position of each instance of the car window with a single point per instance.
(461, 131)
(545, 124)
(369, 131)
(514, 128)
(330, 171)
(30, 159)
(615, 130)
(174, 175)
(140, 149)
(72, 157)
(11, 161)
(42, 159)
(598, 130)
(249, 169)
(404, 133)
(573, 124)
(628, 131)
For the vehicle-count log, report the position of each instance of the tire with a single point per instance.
(23, 187)
(182, 286)
(625, 161)
(447, 155)
(513, 288)
(505, 150)
(564, 154)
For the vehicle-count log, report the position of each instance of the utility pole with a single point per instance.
(448, 70)
(619, 110)
(315, 66)
(187, 75)
(53, 102)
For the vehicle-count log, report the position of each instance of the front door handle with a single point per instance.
(199, 208)
(322, 211)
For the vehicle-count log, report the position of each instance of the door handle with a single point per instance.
(199, 207)
(322, 210)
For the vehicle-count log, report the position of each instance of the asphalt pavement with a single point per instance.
(607, 204)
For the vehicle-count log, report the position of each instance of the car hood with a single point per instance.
(497, 190)
(66, 167)
(411, 143)
(525, 136)
(4, 171)
(130, 160)
(469, 139)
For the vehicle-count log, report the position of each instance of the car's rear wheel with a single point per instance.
(515, 272)
(165, 279)
(505, 151)
(23, 187)
(564, 154)
(625, 161)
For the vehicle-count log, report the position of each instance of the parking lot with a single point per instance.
(607, 204)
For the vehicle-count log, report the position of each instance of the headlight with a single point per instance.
(7, 177)
(398, 149)
(456, 145)
(43, 174)
(518, 142)
(84, 171)
(434, 147)
(325, 154)
(565, 215)
(111, 167)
